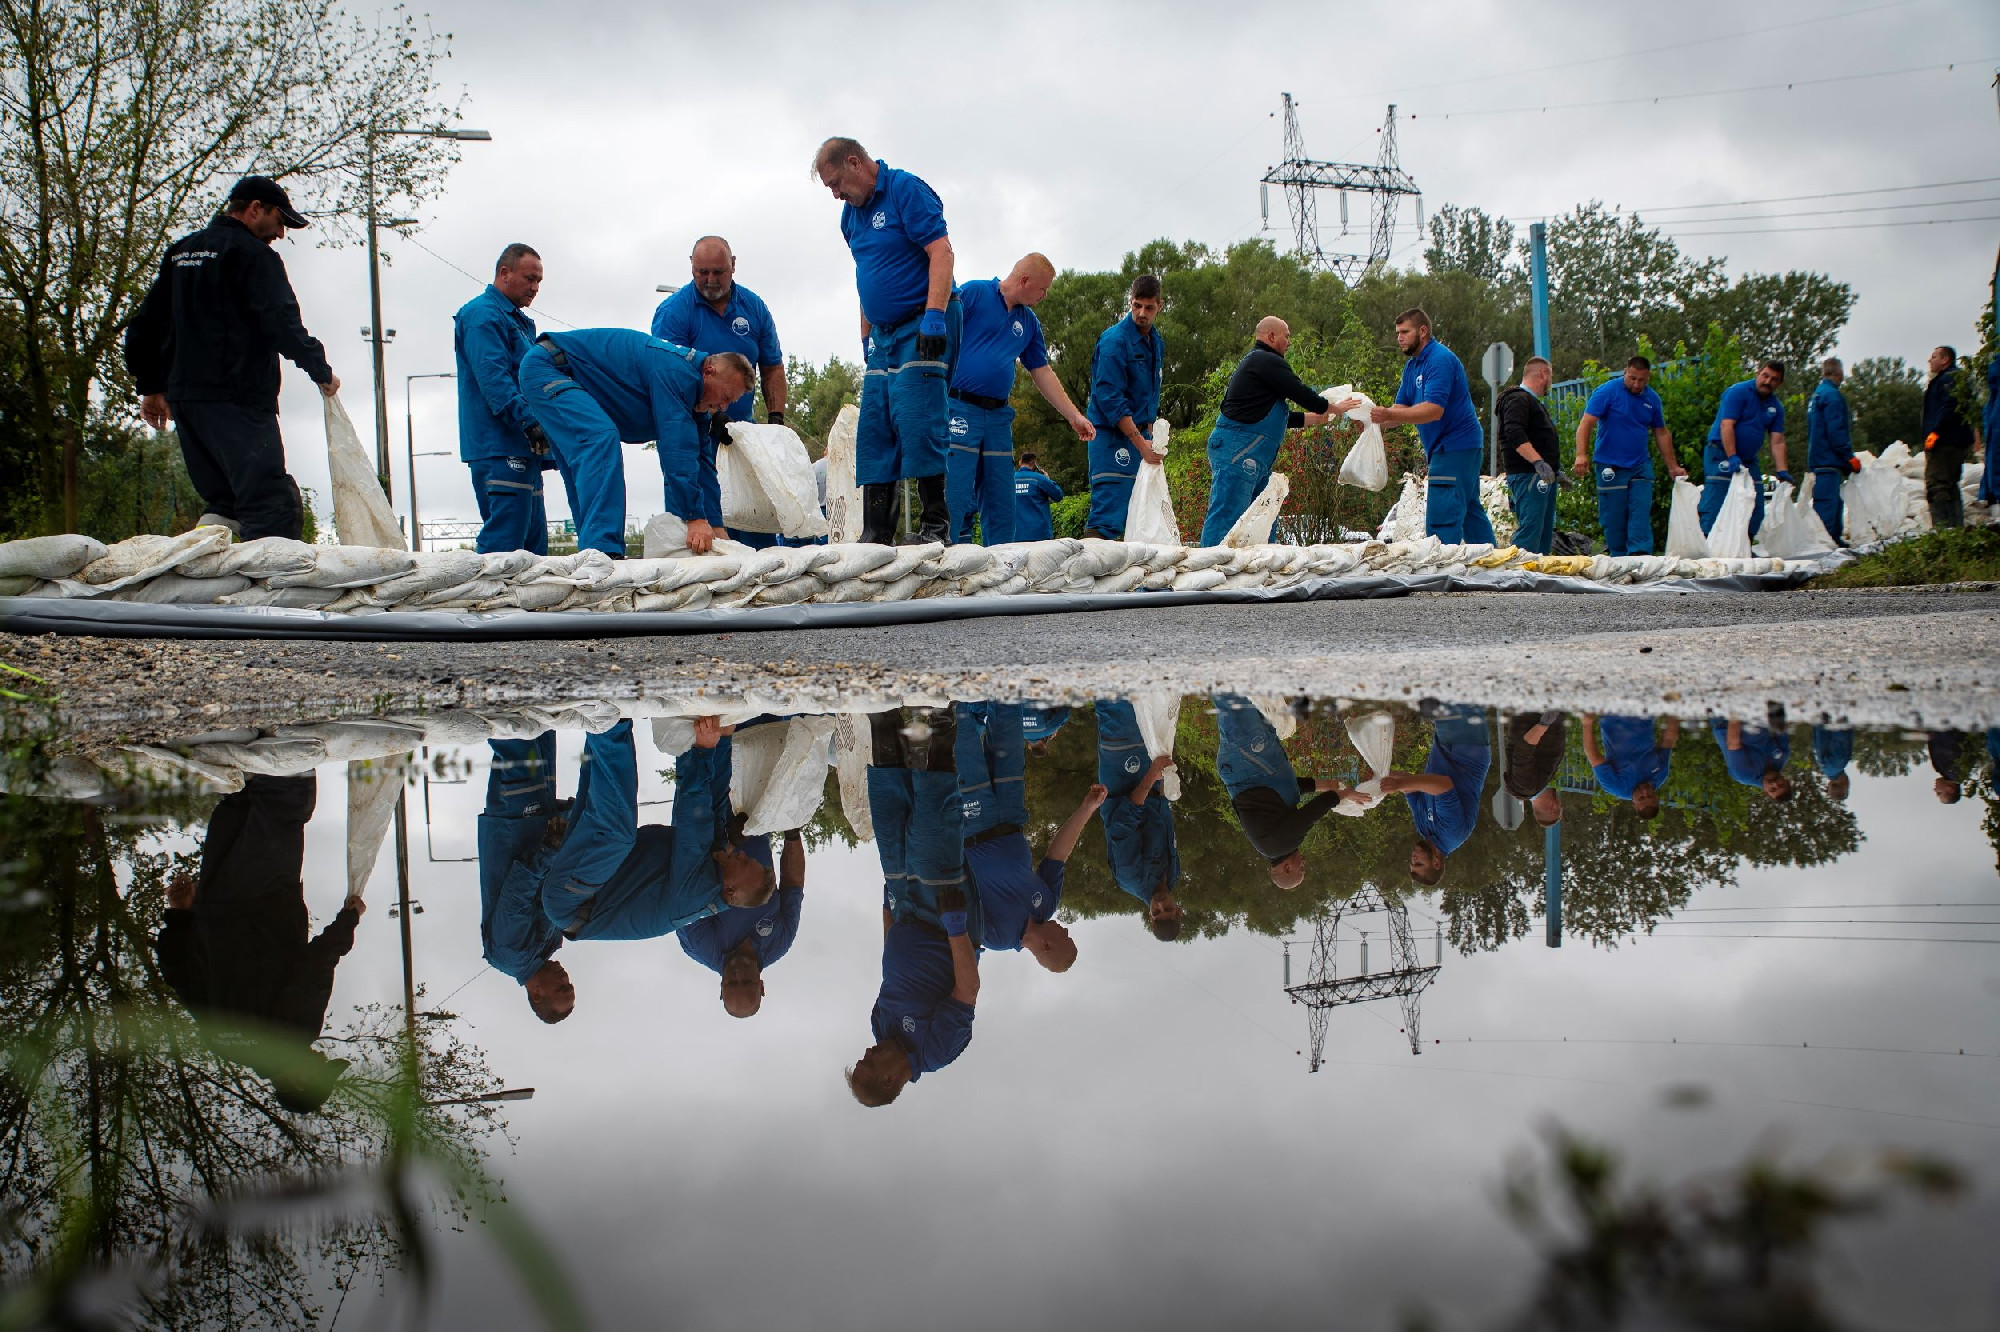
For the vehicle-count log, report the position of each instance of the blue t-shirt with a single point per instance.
(914, 1006)
(1013, 888)
(745, 326)
(1033, 494)
(1445, 821)
(1435, 375)
(774, 926)
(1755, 417)
(1761, 749)
(1630, 756)
(993, 339)
(887, 236)
(1625, 423)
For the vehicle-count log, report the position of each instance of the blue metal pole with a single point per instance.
(1538, 281)
(1552, 885)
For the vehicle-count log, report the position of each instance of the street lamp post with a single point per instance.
(410, 448)
(509, 1094)
(376, 340)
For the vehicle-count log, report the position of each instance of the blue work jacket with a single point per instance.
(1829, 441)
(650, 389)
(1125, 373)
(489, 335)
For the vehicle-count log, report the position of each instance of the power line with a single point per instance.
(1843, 906)
(1657, 98)
(1826, 212)
(1840, 226)
(1829, 938)
(1835, 194)
(475, 278)
(1821, 920)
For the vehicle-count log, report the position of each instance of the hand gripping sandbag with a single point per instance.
(1374, 738)
(1367, 463)
(767, 482)
(1254, 527)
(778, 773)
(1685, 539)
(361, 512)
(1158, 712)
(1149, 517)
(843, 494)
(1729, 536)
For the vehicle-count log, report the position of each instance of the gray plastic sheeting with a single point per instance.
(125, 619)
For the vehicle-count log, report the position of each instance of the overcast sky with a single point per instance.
(621, 131)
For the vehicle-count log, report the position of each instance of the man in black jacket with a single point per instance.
(1948, 441)
(1529, 448)
(203, 350)
(1265, 790)
(1256, 413)
(234, 945)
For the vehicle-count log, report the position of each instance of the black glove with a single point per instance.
(930, 348)
(538, 438)
(774, 418)
(1544, 473)
(718, 428)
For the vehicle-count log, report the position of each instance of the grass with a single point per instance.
(1953, 555)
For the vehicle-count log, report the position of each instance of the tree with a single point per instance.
(1467, 240)
(119, 124)
(1888, 400)
(814, 395)
(1791, 317)
(1611, 278)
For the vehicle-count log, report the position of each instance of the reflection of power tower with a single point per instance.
(1385, 183)
(1326, 989)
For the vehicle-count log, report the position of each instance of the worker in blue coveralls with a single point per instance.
(713, 313)
(1264, 788)
(1137, 817)
(1444, 798)
(1629, 762)
(1755, 755)
(1625, 413)
(1017, 894)
(1039, 724)
(1830, 446)
(1000, 331)
(506, 449)
(895, 228)
(1750, 412)
(1833, 750)
(1125, 370)
(596, 873)
(740, 942)
(1989, 480)
(1256, 413)
(593, 387)
(1435, 397)
(1034, 492)
(922, 1019)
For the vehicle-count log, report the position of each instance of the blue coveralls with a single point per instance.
(774, 926)
(1462, 751)
(914, 1007)
(745, 326)
(1630, 757)
(1041, 723)
(979, 421)
(992, 761)
(1761, 749)
(1248, 752)
(1139, 839)
(1623, 457)
(901, 433)
(1452, 445)
(1239, 463)
(593, 387)
(1125, 373)
(514, 935)
(1755, 417)
(992, 784)
(1033, 494)
(1833, 749)
(919, 838)
(489, 337)
(1989, 481)
(1829, 452)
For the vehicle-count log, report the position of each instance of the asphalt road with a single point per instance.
(1910, 658)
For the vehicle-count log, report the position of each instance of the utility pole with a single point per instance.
(1326, 989)
(1385, 183)
(1538, 283)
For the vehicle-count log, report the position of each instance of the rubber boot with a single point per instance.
(878, 514)
(935, 522)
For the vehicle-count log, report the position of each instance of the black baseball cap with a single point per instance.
(264, 190)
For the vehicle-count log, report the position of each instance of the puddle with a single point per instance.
(1231, 1043)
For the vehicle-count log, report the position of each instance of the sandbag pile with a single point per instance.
(1405, 519)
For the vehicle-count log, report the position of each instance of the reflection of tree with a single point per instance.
(116, 1123)
(1621, 875)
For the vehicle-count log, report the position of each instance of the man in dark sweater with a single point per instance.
(1264, 789)
(1948, 441)
(203, 352)
(1535, 747)
(1530, 448)
(1255, 416)
(235, 945)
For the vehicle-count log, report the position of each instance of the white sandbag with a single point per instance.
(1685, 539)
(1095, 557)
(286, 598)
(348, 566)
(843, 495)
(789, 592)
(777, 776)
(1792, 531)
(263, 558)
(266, 756)
(906, 561)
(1254, 527)
(852, 749)
(1158, 712)
(768, 483)
(1367, 463)
(138, 558)
(15, 585)
(180, 771)
(362, 738)
(1004, 564)
(1498, 501)
(666, 537)
(695, 596)
(433, 571)
(1149, 517)
(1160, 581)
(1199, 580)
(1729, 535)
(1119, 582)
(959, 562)
(1405, 519)
(373, 788)
(1873, 500)
(62, 556)
(1275, 709)
(852, 560)
(1374, 738)
(507, 564)
(361, 512)
(173, 589)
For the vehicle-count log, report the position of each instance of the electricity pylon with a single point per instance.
(1326, 989)
(1385, 183)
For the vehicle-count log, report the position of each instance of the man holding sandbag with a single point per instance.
(1256, 413)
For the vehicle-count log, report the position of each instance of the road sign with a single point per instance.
(1495, 366)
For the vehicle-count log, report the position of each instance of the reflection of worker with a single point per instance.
(234, 942)
(1137, 817)
(514, 935)
(922, 1019)
(1039, 724)
(1947, 755)
(1535, 747)
(1755, 756)
(1444, 798)
(1264, 789)
(1251, 425)
(1125, 370)
(1833, 750)
(1631, 764)
(738, 943)
(1018, 896)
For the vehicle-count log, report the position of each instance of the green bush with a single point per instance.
(1953, 555)
(1069, 512)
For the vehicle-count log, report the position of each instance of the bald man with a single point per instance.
(999, 331)
(1256, 413)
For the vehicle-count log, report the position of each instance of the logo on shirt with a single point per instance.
(1250, 466)
(1036, 903)
(1123, 456)
(1257, 748)
(1770, 411)
(869, 347)
(972, 809)
(517, 464)
(1019, 331)
(765, 926)
(740, 326)
(1133, 763)
(958, 427)
(879, 221)
(909, 1023)
(1608, 475)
